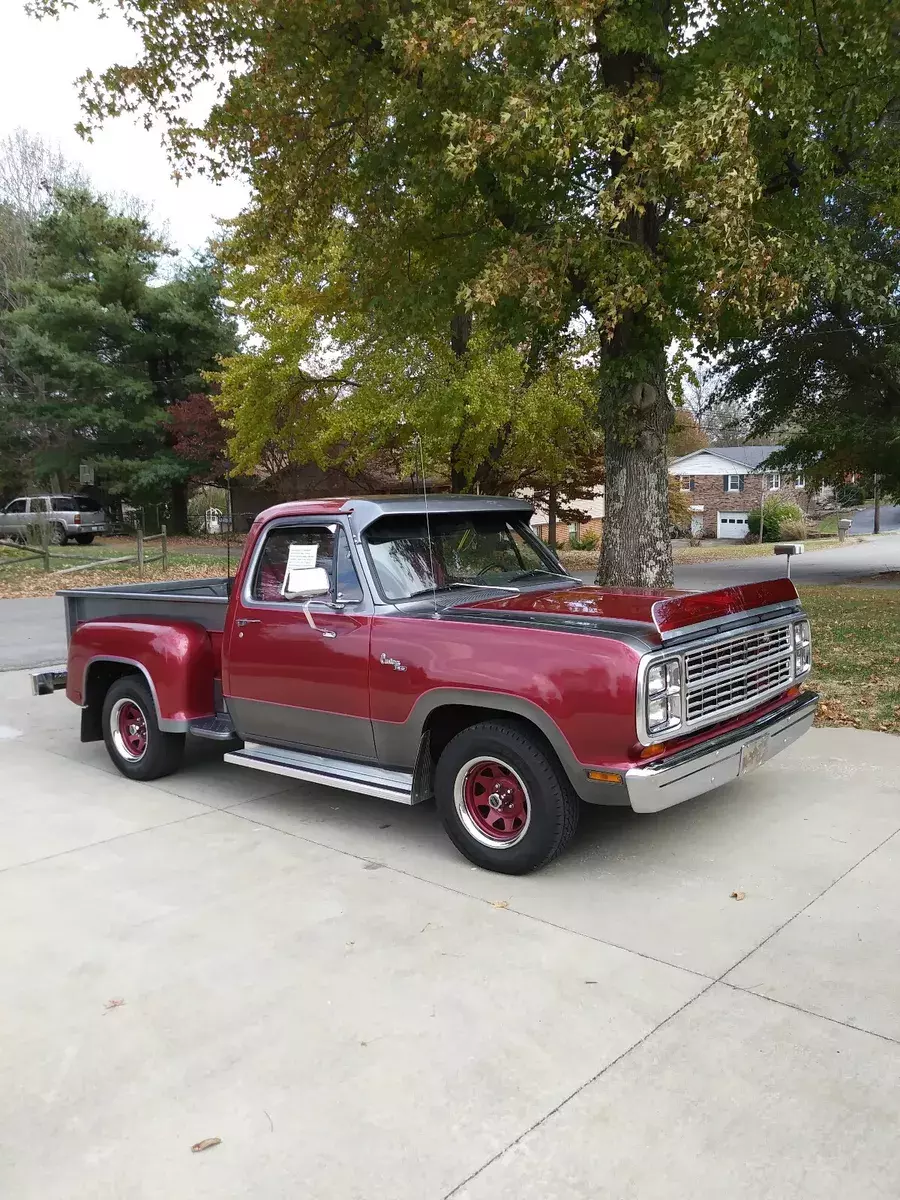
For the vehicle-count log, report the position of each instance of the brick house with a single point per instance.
(726, 482)
(593, 510)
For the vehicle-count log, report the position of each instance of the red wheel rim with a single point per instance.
(495, 800)
(132, 729)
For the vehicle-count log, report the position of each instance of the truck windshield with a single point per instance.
(475, 548)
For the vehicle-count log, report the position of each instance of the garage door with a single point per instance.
(732, 525)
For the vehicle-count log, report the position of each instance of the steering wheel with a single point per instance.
(490, 567)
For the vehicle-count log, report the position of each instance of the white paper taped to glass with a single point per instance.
(301, 557)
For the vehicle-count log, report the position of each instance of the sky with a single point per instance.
(39, 63)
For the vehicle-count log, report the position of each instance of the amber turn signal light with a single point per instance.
(605, 776)
(649, 751)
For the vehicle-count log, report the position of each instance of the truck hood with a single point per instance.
(658, 614)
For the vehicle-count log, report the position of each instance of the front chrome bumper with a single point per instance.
(700, 768)
(48, 679)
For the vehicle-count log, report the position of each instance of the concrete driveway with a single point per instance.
(321, 982)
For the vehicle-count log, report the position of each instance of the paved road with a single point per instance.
(840, 565)
(864, 520)
(32, 633)
(320, 981)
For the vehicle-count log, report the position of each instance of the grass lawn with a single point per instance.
(28, 578)
(584, 560)
(856, 655)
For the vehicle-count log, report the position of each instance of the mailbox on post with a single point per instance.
(843, 525)
(789, 549)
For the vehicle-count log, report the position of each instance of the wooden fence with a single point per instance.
(42, 551)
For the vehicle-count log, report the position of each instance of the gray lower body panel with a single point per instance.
(302, 728)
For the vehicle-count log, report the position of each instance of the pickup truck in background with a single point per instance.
(404, 653)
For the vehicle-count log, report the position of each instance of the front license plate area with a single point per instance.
(754, 754)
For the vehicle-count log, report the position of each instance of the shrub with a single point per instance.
(793, 530)
(777, 513)
(589, 541)
(848, 494)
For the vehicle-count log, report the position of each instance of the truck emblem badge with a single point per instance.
(391, 662)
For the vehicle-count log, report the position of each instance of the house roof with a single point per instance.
(751, 458)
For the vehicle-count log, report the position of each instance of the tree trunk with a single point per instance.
(178, 509)
(876, 516)
(636, 550)
(552, 504)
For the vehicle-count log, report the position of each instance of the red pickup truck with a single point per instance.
(406, 652)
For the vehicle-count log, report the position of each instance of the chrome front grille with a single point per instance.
(732, 674)
(739, 652)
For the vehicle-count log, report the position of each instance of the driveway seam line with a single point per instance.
(117, 837)
(736, 987)
(469, 896)
(571, 1096)
(809, 904)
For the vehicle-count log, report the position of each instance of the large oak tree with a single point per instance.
(653, 168)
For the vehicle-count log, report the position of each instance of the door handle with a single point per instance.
(248, 621)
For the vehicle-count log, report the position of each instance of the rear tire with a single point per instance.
(58, 535)
(503, 799)
(84, 539)
(134, 740)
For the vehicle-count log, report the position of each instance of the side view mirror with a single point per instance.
(305, 583)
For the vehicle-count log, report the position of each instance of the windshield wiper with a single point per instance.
(540, 571)
(443, 587)
(459, 583)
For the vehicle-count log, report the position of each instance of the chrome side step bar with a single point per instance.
(364, 778)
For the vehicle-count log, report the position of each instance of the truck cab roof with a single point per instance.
(366, 509)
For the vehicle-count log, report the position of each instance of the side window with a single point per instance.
(17, 506)
(348, 586)
(273, 562)
(38, 504)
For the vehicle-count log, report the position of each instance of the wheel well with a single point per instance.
(99, 679)
(444, 723)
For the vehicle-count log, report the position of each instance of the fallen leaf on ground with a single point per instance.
(738, 895)
(499, 904)
(206, 1144)
(115, 1003)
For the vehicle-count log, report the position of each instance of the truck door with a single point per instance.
(296, 673)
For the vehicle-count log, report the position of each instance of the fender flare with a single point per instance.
(166, 724)
(401, 742)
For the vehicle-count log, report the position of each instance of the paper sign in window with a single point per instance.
(301, 557)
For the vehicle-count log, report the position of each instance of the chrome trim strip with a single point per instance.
(48, 679)
(380, 782)
(698, 769)
(673, 653)
(788, 607)
(165, 723)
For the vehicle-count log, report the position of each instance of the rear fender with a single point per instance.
(175, 659)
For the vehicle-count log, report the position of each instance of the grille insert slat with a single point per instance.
(733, 673)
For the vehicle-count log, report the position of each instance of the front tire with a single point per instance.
(134, 740)
(503, 799)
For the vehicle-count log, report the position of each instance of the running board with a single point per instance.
(219, 728)
(333, 772)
